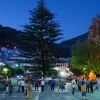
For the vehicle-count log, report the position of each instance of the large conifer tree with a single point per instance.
(40, 36)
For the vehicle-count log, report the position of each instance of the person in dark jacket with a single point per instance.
(52, 83)
(91, 86)
(37, 83)
(10, 88)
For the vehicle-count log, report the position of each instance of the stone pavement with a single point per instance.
(18, 96)
(67, 95)
(51, 95)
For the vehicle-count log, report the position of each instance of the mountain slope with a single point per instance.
(11, 37)
(8, 36)
(68, 44)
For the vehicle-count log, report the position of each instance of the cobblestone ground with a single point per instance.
(18, 96)
(51, 95)
(55, 95)
(67, 95)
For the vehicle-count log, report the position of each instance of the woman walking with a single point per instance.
(29, 90)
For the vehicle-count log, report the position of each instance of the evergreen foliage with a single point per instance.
(40, 36)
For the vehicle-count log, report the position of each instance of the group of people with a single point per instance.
(27, 86)
(23, 86)
(52, 83)
(5, 84)
(85, 86)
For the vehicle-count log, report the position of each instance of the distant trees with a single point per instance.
(94, 30)
(7, 70)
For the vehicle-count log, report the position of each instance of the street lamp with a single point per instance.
(84, 69)
(16, 65)
(5, 71)
(63, 74)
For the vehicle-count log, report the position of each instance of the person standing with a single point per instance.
(29, 90)
(83, 89)
(52, 83)
(96, 85)
(22, 85)
(19, 84)
(87, 85)
(37, 83)
(33, 82)
(42, 85)
(59, 85)
(76, 80)
(63, 86)
(79, 85)
(7, 86)
(91, 86)
(26, 84)
(10, 88)
(73, 87)
(7, 89)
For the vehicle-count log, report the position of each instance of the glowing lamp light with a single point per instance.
(63, 74)
(27, 72)
(5, 70)
(84, 68)
(18, 77)
(92, 76)
(57, 68)
(16, 65)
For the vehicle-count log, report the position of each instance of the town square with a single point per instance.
(50, 50)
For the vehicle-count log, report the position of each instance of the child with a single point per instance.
(83, 89)
(63, 86)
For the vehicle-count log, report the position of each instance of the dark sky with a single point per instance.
(74, 16)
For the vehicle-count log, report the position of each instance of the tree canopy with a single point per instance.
(41, 34)
(86, 55)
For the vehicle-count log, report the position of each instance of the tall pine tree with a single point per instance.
(40, 36)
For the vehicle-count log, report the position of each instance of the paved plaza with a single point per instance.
(67, 95)
(48, 95)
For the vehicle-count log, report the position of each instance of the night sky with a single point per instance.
(74, 16)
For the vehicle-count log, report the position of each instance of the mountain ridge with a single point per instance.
(66, 46)
(10, 36)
